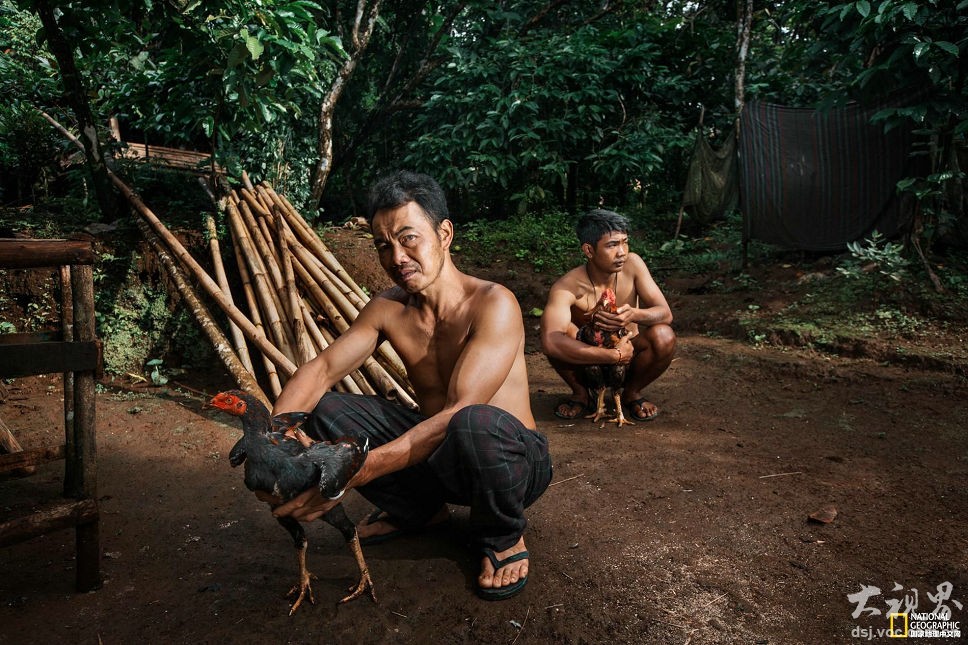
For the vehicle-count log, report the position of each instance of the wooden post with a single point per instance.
(84, 482)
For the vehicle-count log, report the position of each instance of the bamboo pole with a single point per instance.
(238, 340)
(261, 241)
(275, 386)
(263, 289)
(319, 247)
(348, 301)
(219, 342)
(303, 348)
(322, 252)
(209, 285)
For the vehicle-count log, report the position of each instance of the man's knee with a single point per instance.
(659, 339)
(470, 420)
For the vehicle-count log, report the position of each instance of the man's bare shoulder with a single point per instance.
(384, 306)
(574, 281)
(487, 294)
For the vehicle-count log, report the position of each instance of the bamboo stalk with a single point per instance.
(261, 239)
(219, 342)
(263, 289)
(238, 340)
(349, 302)
(350, 382)
(319, 297)
(319, 247)
(241, 348)
(275, 386)
(303, 349)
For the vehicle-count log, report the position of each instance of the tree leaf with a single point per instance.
(254, 46)
(863, 7)
(951, 48)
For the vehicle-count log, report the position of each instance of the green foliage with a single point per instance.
(28, 150)
(526, 115)
(547, 241)
(876, 253)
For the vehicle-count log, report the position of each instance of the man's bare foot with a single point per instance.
(642, 410)
(378, 527)
(505, 579)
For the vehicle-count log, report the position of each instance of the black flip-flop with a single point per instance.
(572, 403)
(503, 593)
(375, 516)
(644, 417)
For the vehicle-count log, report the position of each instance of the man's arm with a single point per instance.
(313, 379)
(558, 333)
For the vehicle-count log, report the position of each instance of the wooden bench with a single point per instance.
(74, 352)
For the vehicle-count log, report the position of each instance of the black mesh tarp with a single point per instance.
(815, 180)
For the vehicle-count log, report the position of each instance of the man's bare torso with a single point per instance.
(430, 346)
(586, 294)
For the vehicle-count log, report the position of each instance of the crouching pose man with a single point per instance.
(461, 339)
(642, 309)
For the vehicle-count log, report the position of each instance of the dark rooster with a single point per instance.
(598, 378)
(284, 467)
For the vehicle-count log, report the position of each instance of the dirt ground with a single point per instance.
(692, 528)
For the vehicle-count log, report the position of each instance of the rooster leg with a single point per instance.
(338, 519)
(620, 419)
(303, 586)
(600, 410)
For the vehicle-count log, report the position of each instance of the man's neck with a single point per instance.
(443, 295)
(600, 278)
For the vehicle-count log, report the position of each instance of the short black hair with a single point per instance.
(402, 187)
(596, 223)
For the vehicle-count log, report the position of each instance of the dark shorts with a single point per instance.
(488, 461)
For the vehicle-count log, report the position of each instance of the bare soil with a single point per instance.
(692, 528)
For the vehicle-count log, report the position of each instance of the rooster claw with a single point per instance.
(365, 584)
(305, 589)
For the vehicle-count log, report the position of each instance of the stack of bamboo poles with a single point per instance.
(293, 285)
(297, 292)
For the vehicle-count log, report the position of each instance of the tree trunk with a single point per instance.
(360, 39)
(76, 98)
(744, 21)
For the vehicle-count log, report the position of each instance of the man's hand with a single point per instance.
(625, 351)
(307, 506)
(613, 321)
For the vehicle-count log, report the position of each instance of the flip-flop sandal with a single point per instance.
(381, 516)
(503, 593)
(572, 403)
(640, 417)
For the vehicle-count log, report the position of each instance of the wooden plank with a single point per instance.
(48, 358)
(30, 457)
(17, 253)
(50, 517)
(22, 338)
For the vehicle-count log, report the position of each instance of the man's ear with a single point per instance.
(445, 233)
(588, 250)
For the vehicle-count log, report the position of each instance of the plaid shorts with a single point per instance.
(488, 461)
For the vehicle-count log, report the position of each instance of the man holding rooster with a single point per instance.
(612, 293)
(473, 440)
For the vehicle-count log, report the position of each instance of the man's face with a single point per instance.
(610, 252)
(410, 250)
